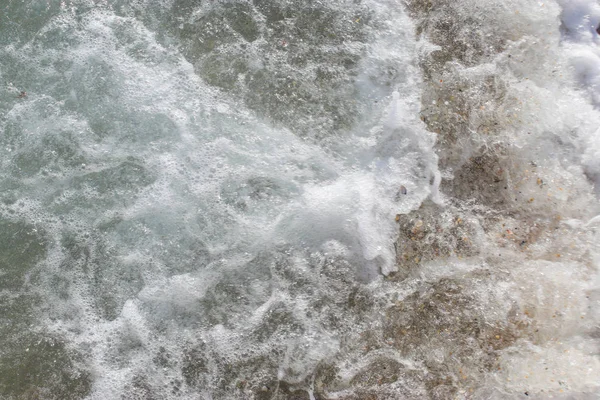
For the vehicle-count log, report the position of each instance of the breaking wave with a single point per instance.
(289, 199)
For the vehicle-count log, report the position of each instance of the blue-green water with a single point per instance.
(283, 199)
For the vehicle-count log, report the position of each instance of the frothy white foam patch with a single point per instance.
(198, 230)
(358, 207)
(557, 368)
(183, 185)
(581, 43)
(304, 354)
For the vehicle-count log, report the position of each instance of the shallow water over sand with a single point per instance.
(283, 199)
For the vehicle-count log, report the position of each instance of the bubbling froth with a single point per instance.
(291, 200)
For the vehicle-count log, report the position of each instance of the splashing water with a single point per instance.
(283, 199)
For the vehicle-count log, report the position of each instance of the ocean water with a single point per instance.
(299, 199)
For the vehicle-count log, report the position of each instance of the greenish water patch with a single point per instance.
(54, 153)
(127, 176)
(32, 365)
(291, 61)
(21, 247)
(41, 368)
(19, 22)
(107, 187)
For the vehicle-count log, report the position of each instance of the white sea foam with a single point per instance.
(581, 44)
(202, 245)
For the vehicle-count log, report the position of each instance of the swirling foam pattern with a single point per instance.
(294, 199)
